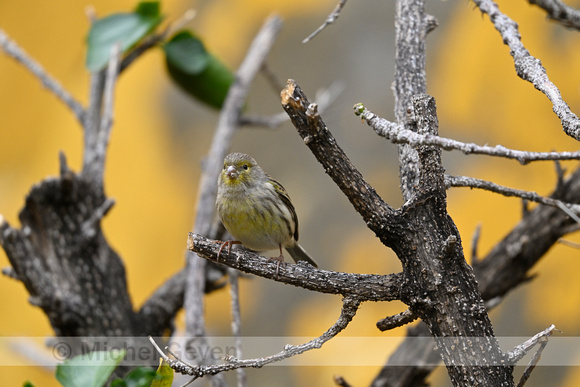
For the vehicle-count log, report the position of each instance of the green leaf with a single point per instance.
(149, 9)
(186, 53)
(89, 370)
(139, 377)
(28, 383)
(164, 375)
(124, 28)
(196, 71)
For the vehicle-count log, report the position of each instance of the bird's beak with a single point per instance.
(232, 172)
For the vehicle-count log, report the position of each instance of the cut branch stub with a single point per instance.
(335, 162)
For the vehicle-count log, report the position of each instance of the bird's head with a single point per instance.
(240, 169)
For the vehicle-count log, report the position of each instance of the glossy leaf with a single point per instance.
(197, 71)
(186, 53)
(124, 28)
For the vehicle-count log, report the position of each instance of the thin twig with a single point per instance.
(273, 80)
(257, 121)
(569, 243)
(236, 321)
(12, 49)
(106, 122)
(329, 20)
(521, 350)
(399, 135)
(474, 244)
(530, 68)
(109, 96)
(470, 182)
(154, 40)
(560, 12)
(348, 311)
(533, 362)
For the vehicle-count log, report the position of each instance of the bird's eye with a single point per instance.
(245, 166)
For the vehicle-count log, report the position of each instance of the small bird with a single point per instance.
(257, 210)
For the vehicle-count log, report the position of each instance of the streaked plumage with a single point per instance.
(256, 209)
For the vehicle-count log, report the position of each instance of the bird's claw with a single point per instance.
(229, 244)
(280, 260)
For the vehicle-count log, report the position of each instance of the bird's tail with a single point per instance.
(298, 254)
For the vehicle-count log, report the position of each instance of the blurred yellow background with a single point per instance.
(160, 137)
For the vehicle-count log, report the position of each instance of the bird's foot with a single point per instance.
(280, 260)
(224, 244)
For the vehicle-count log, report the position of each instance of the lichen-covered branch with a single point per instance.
(530, 68)
(335, 162)
(399, 135)
(13, 50)
(505, 267)
(365, 287)
(470, 182)
(439, 285)
(349, 308)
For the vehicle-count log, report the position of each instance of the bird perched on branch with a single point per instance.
(257, 210)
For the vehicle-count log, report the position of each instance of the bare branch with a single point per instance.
(521, 350)
(398, 320)
(257, 121)
(530, 68)
(470, 182)
(365, 287)
(569, 243)
(536, 358)
(399, 135)
(329, 20)
(348, 311)
(474, 244)
(504, 268)
(236, 322)
(560, 12)
(104, 132)
(305, 117)
(12, 49)
(412, 25)
(272, 78)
